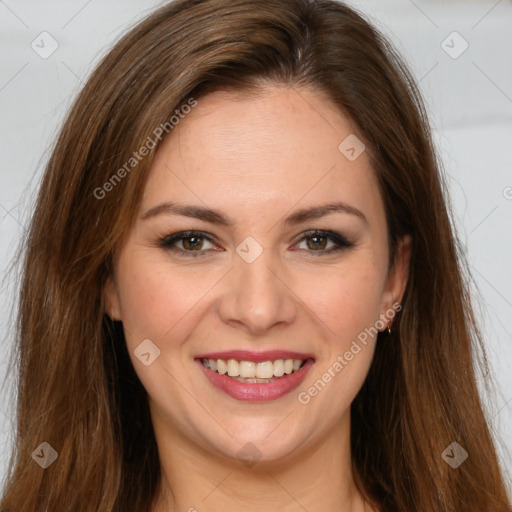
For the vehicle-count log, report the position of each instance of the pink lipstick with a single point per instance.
(271, 386)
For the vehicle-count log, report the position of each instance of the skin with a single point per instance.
(257, 159)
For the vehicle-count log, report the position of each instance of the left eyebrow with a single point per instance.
(217, 217)
(316, 212)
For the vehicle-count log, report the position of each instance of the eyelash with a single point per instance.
(168, 242)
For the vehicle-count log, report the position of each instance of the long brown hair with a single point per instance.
(77, 390)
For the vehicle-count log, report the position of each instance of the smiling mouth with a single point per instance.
(251, 372)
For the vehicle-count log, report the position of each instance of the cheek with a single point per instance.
(345, 298)
(347, 301)
(158, 298)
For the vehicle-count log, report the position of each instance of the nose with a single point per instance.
(257, 297)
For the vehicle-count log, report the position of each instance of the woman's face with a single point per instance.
(251, 177)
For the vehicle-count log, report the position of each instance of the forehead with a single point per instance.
(262, 133)
(252, 151)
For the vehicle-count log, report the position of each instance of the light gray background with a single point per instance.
(469, 99)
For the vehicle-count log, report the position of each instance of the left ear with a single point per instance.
(398, 275)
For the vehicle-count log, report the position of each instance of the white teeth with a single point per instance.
(222, 367)
(251, 370)
(278, 367)
(247, 369)
(233, 368)
(264, 370)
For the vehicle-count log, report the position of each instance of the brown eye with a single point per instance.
(318, 242)
(192, 243)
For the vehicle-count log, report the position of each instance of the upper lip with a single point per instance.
(247, 355)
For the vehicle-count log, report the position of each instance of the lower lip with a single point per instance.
(257, 392)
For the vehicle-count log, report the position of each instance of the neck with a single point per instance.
(317, 477)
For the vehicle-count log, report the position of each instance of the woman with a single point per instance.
(180, 345)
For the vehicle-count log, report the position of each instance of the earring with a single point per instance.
(389, 327)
